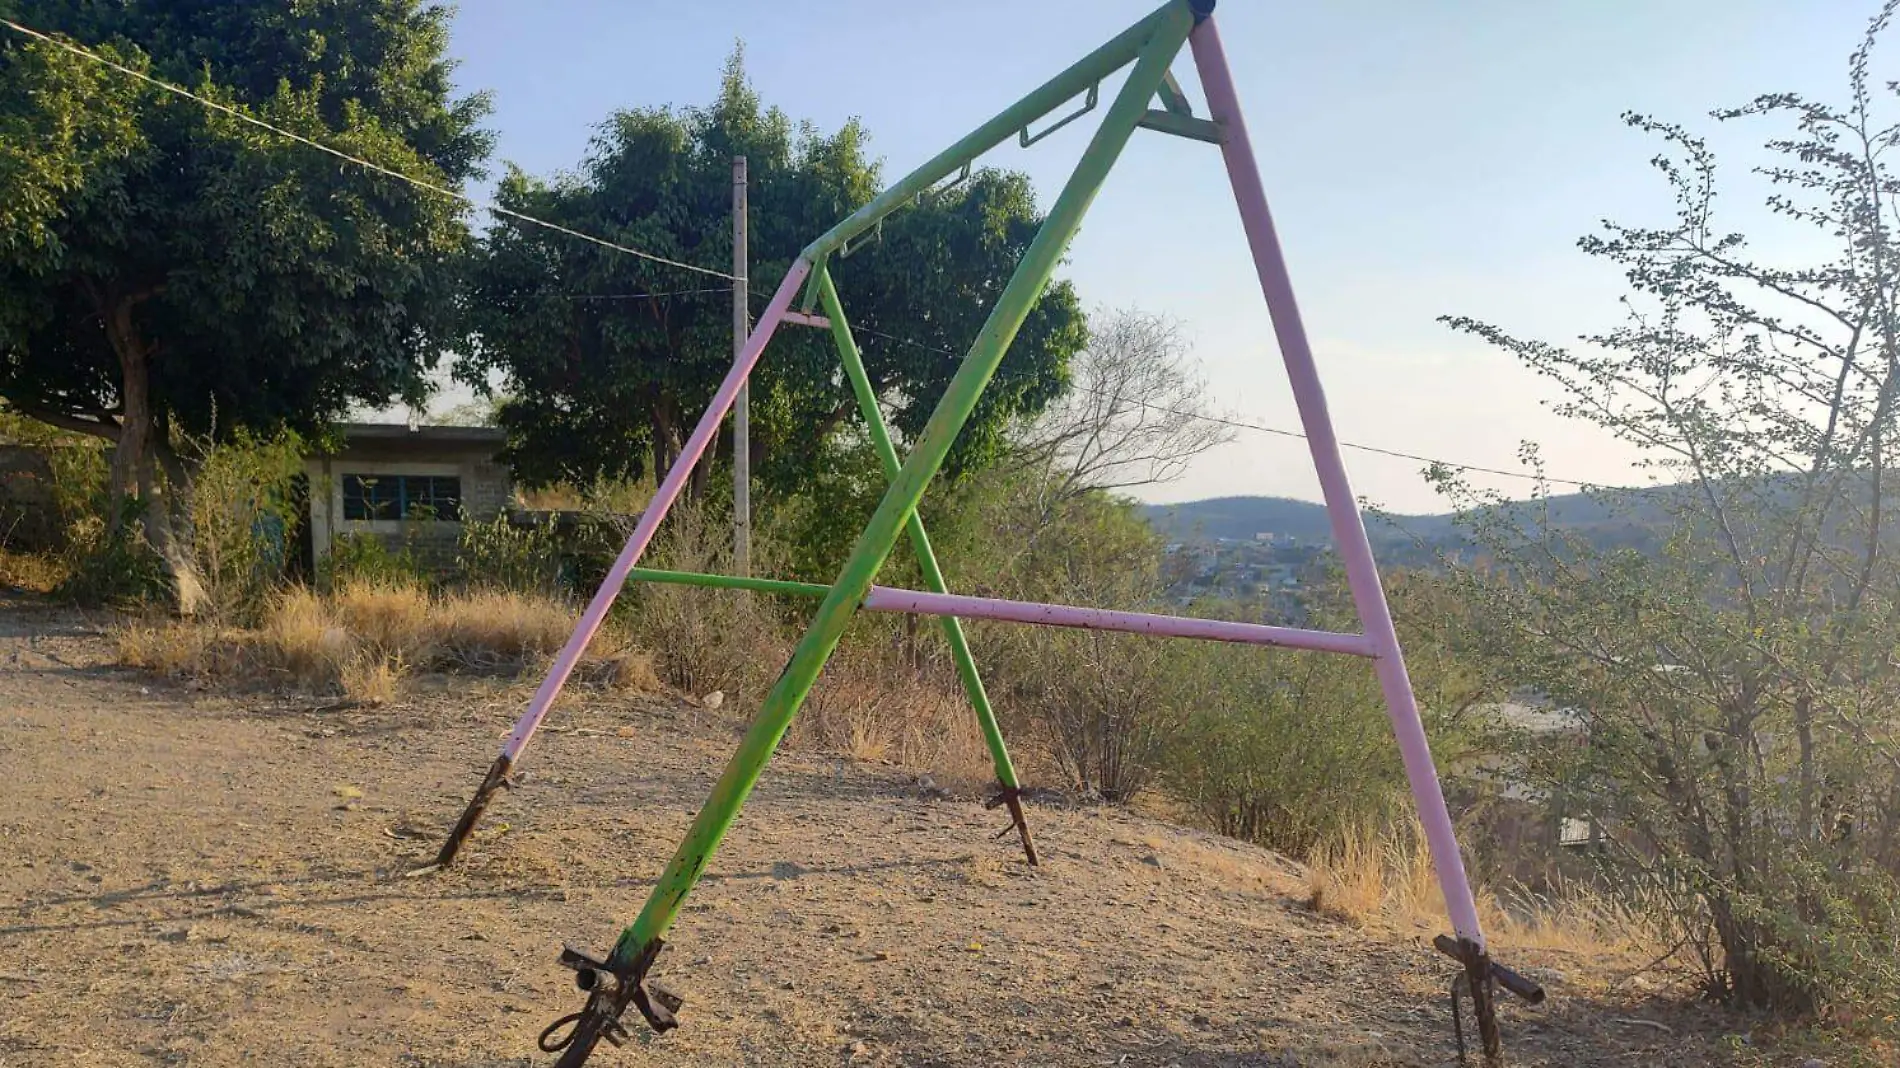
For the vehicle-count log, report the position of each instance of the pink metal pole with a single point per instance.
(886, 599)
(1349, 531)
(655, 511)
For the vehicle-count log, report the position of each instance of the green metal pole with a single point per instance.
(926, 561)
(730, 582)
(1085, 72)
(634, 950)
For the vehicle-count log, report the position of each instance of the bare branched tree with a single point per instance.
(1136, 413)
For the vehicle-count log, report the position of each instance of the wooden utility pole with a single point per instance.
(741, 409)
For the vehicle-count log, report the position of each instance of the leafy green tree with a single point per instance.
(1736, 689)
(166, 268)
(608, 359)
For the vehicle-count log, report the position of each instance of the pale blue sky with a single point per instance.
(1422, 158)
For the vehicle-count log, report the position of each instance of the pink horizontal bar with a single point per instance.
(804, 319)
(886, 599)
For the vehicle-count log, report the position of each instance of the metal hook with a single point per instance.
(1088, 105)
(847, 248)
(934, 195)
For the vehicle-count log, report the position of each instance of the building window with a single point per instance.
(402, 497)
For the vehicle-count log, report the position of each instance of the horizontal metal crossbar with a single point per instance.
(919, 602)
(884, 599)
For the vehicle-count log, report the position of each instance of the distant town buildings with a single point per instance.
(1272, 570)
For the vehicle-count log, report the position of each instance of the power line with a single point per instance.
(442, 190)
(614, 296)
(1273, 430)
(497, 209)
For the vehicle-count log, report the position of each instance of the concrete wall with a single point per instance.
(487, 488)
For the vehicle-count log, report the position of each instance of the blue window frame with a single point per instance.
(421, 497)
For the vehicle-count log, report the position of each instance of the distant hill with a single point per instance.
(1634, 519)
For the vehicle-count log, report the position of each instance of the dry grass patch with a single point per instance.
(34, 572)
(365, 640)
(177, 650)
(372, 678)
(490, 628)
(397, 619)
(1388, 880)
(871, 710)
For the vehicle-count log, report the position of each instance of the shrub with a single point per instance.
(1289, 750)
(499, 555)
(871, 703)
(704, 640)
(243, 521)
(365, 558)
(1107, 703)
(108, 567)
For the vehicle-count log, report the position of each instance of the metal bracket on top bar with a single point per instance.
(935, 194)
(877, 234)
(1173, 98)
(1088, 105)
(1173, 122)
(803, 319)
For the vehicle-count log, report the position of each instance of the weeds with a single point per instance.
(870, 706)
(365, 640)
(1386, 878)
(706, 640)
(498, 555)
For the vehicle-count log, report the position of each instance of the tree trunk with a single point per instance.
(135, 410)
(1756, 978)
(134, 473)
(665, 438)
(1804, 737)
(167, 529)
(702, 477)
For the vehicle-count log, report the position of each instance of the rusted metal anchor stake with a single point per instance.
(1480, 980)
(1012, 796)
(610, 989)
(496, 778)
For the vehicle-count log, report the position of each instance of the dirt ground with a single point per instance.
(188, 878)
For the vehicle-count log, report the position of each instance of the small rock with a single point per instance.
(1151, 860)
(179, 935)
(347, 792)
(1814, 1062)
(856, 1049)
(714, 699)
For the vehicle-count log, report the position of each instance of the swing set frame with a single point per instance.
(1149, 48)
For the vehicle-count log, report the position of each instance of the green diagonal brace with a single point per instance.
(634, 951)
(926, 560)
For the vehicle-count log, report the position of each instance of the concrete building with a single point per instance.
(407, 486)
